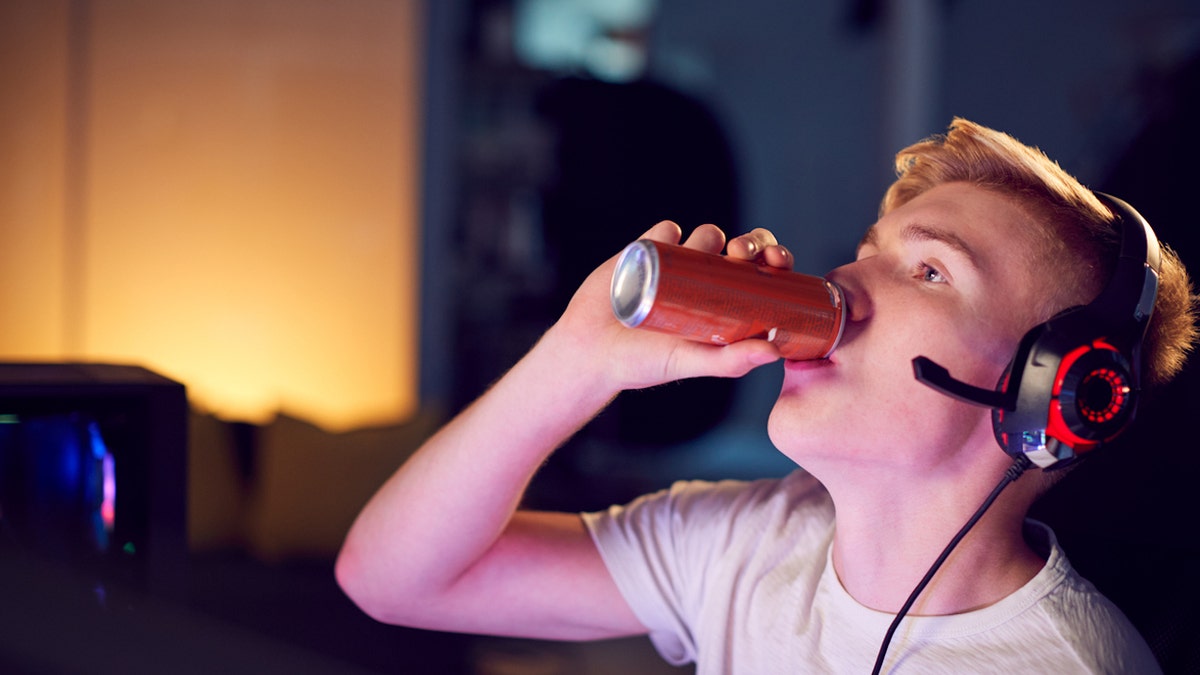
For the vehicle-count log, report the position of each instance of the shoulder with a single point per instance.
(695, 502)
(682, 556)
(696, 524)
(1058, 622)
(1086, 624)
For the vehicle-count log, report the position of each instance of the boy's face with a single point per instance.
(952, 275)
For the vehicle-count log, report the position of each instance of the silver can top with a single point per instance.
(634, 282)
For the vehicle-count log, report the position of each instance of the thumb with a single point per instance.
(695, 359)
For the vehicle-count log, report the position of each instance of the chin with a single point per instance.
(791, 428)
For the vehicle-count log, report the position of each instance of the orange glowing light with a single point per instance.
(246, 217)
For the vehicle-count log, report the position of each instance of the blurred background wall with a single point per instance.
(222, 191)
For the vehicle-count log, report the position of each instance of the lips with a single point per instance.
(807, 365)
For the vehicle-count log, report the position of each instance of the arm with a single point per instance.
(442, 545)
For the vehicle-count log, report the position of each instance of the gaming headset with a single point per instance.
(1074, 381)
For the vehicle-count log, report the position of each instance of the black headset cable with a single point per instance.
(1013, 472)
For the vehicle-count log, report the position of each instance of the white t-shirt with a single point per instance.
(738, 578)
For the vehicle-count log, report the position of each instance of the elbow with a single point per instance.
(353, 575)
(347, 572)
(376, 587)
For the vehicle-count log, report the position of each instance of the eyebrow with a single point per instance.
(919, 232)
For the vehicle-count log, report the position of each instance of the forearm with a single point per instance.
(449, 503)
(438, 545)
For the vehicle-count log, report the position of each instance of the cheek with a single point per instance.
(983, 361)
(975, 348)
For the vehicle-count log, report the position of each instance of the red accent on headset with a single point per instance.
(1056, 425)
(1000, 413)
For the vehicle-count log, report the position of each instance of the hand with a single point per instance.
(624, 358)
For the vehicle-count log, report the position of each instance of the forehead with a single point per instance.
(983, 227)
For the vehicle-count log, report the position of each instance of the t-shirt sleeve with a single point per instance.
(661, 547)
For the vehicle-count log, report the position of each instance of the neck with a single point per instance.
(894, 529)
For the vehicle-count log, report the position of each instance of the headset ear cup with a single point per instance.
(1097, 397)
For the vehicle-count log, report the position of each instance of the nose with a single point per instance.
(850, 278)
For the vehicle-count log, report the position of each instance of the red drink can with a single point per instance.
(708, 297)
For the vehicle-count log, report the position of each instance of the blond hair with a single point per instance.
(1080, 237)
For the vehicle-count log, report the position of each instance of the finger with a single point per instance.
(707, 237)
(779, 256)
(664, 231)
(752, 245)
(761, 247)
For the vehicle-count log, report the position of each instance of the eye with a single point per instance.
(930, 274)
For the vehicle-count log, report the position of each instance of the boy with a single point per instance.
(979, 239)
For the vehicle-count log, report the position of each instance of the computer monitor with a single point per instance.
(93, 472)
